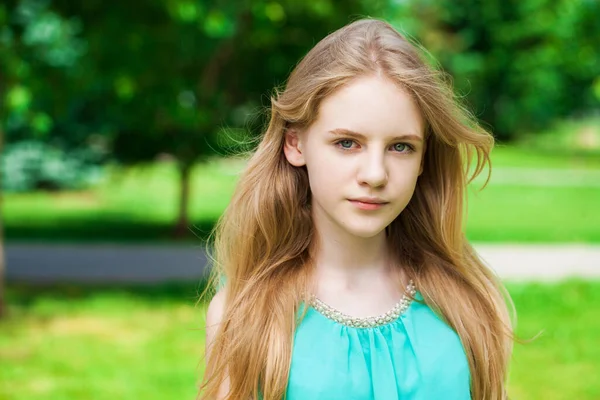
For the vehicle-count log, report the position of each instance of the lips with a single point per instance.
(369, 200)
(368, 205)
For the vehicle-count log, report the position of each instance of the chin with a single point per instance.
(365, 232)
(367, 235)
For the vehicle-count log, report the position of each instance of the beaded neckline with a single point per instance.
(366, 322)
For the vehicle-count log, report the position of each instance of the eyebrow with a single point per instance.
(348, 132)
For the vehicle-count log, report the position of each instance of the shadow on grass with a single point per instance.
(25, 295)
(88, 229)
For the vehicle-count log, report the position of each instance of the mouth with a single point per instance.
(368, 204)
(368, 200)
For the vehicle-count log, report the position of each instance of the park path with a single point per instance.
(152, 263)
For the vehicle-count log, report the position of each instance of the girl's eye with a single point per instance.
(401, 147)
(345, 143)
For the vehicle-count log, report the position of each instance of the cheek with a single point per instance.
(326, 175)
(405, 178)
(323, 178)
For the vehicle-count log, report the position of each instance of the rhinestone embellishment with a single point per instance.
(366, 322)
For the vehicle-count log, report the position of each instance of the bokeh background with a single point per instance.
(121, 129)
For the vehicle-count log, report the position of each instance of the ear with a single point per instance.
(292, 147)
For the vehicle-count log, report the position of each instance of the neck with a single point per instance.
(347, 259)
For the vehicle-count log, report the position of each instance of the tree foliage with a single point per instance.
(521, 64)
(166, 76)
(35, 42)
(139, 78)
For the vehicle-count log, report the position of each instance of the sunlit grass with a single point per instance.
(75, 343)
(102, 345)
(511, 213)
(564, 362)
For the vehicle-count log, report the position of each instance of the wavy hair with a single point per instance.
(262, 241)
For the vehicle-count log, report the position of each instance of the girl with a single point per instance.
(344, 267)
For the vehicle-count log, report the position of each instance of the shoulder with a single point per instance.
(214, 316)
(214, 313)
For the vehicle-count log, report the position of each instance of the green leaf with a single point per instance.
(596, 87)
(124, 87)
(41, 123)
(217, 25)
(18, 98)
(275, 12)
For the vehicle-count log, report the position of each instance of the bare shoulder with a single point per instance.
(214, 313)
(216, 307)
(214, 316)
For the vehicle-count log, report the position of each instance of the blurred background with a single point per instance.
(120, 125)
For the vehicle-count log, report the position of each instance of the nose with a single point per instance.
(372, 170)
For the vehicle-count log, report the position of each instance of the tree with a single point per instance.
(520, 64)
(35, 42)
(168, 75)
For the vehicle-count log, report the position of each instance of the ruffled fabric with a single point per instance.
(416, 357)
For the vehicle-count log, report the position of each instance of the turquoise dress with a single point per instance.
(410, 356)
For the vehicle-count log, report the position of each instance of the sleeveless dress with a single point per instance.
(408, 353)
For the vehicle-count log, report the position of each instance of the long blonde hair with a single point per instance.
(261, 242)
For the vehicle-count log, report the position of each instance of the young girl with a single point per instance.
(342, 268)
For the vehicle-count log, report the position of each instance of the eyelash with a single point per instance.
(409, 148)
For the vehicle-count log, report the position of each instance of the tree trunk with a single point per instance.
(2, 266)
(182, 227)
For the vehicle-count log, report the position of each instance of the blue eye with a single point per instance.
(346, 143)
(401, 147)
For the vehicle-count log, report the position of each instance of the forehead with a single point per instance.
(373, 105)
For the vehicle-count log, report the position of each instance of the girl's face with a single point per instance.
(366, 144)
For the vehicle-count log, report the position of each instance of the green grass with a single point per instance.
(537, 202)
(536, 157)
(76, 343)
(71, 343)
(578, 138)
(134, 204)
(564, 362)
(511, 213)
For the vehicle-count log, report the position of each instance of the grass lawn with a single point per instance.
(100, 344)
(534, 196)
(513, 213)
(73, 343)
